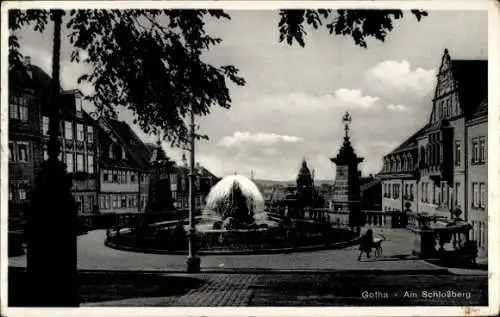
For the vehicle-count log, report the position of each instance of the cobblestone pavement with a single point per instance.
(94, 255)
(323, 289)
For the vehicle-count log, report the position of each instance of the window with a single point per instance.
(132, 177)
(482, 198)
(444, 192)
(11, 151)
(79, 163)
(457, 153)
(45, 154)
(406, 191)
(90, 163)
(124, 154)
(78, 101)
(457, 191)
(475, 150)
(108, 201)
(11, 194)
(475, 195)
(116, 201)
(68, 130)
(482, 149)
(80, 135)
(123, 201)
(102, 202)
(14, 110)
(411, 192)
(45, 125)
(105, 176)
(79, 203)
(110, 152)
(23, 112)
(22, 151)
(389, 190)
(21, 193)
(115, 176)
(69, 162)
(90, 134)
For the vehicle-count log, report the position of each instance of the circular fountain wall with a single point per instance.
(234, 220)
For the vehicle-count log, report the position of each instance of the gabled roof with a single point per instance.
(472, 80)
(129, 139)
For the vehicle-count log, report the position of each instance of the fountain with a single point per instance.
(235, 202)
(233, 220)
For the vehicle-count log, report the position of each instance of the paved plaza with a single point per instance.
(110, 277)
(94, 255)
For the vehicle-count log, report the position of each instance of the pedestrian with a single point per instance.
(366, 244)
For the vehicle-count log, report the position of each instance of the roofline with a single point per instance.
(123, 142)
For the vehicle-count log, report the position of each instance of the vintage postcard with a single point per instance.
(250, 158)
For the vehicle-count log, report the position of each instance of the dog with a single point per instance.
(377, 245)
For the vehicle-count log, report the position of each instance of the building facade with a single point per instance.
(28, 90)
(124, 169)
(444, 164)
(79, 144)
(179, 185)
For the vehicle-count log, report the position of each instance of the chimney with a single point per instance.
(27, 60)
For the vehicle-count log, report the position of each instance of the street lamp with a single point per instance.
(52, 218)
(192, 261)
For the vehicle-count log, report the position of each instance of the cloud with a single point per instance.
(353, 97)
(397, 77)
(396, 107)
(70, 72)
(261, 138)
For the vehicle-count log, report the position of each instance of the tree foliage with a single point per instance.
(150, 61)
(358, 24)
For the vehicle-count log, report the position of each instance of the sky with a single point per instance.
(292, 105)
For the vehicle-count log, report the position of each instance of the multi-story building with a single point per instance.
(446, 159)
(399, 176)
(124, 168)
(179, 185)
(28, 90)
(29, 105)
(79, 144)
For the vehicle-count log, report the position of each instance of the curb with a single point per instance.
(334, 246)
(432, 271)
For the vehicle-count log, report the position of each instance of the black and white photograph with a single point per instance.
(324, 158)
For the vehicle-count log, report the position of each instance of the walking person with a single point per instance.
(366, 244)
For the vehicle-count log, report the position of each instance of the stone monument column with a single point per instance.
(346, 190)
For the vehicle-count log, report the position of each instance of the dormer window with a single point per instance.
(78, 103)
(110, 151)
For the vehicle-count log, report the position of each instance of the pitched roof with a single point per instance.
(32, 77)
(410, 142)
(482, 110)
(132, 142)
(369, 183)
(472, 80)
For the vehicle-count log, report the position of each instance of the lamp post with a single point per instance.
(192, 261)
(52, 218)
